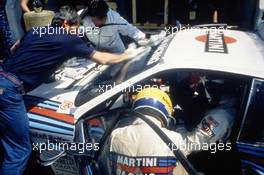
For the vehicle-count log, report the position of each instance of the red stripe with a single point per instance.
(95, 122)
(52, 114)
(161, 170)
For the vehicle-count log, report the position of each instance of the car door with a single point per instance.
(96, 129)
(250, 142)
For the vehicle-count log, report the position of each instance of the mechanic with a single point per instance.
(34, 59)
(5, 33)
(109, 24)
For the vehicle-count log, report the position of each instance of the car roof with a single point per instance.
(221, 50)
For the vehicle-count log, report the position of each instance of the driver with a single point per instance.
(217, 121)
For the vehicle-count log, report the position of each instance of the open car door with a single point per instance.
(250, 142)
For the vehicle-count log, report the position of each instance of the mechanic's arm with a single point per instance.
(109, 58)
(24, 5)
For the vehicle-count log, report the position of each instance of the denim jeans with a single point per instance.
(14, 128)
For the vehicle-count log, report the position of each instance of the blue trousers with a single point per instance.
(14, 128)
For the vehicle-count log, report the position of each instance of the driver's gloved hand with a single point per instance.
(133, 52)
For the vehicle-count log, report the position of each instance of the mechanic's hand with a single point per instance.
(154, 40)
(144, 42)
(133, 52)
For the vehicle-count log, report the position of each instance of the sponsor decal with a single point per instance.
(66, 107)
(216, 41)
(127, 165)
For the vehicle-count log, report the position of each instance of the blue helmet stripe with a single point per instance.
(152, 103)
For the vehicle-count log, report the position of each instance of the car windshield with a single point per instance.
(119, 73)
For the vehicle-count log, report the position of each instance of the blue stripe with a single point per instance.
(51, 124)
(252, 152)
(47, 106)
(174, 161)
(56, 104)
(44, 130)
(166, 165)
(151, 103)
(253, 164)
(49, 128)
(50, 117)
(251, 147)
(97, 130)
(41, 118)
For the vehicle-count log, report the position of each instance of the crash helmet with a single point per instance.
(154, 102)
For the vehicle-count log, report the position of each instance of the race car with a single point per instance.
(84, 104)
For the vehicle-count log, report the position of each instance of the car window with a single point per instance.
(119, 73)
(253, 127)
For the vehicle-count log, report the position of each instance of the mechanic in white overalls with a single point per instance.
(107, 26)
(135, 148)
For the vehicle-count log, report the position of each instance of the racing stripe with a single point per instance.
(46, 106)
(39, 126)
(52, 114)
(46, 119)
(156, 170)
(51, 124)
(35, 101)
(51, 132)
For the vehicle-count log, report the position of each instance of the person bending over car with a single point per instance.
(136, 148)
(108, 25)
(34, 59)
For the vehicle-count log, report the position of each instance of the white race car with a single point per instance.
(83, 106)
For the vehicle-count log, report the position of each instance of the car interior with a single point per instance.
(190, 100)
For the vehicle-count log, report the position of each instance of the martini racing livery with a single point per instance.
(86, 101)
